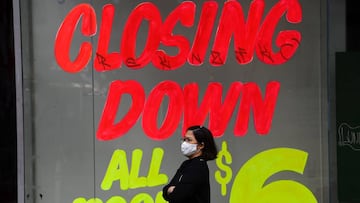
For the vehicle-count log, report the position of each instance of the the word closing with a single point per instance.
(249, 34)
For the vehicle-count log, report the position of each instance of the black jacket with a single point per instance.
(191, 183)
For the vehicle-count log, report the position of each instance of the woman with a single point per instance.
(191, 182)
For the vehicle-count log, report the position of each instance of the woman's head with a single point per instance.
(205, 141)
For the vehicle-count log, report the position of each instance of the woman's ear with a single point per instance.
(201, 145)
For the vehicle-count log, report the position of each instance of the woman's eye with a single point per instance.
(187, 140)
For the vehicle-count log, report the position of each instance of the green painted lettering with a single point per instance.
(117, 170)
(154, 178)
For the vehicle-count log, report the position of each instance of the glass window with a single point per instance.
(111, 86)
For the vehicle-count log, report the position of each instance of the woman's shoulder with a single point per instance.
(199, 162)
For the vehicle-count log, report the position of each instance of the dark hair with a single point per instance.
(205, 137)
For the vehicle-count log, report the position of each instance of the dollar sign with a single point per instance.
(223, 155)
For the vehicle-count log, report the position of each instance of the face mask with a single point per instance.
(188, 149)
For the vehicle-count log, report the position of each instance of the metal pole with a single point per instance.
(19, 103)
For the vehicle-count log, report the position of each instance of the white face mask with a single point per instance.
(188, 149)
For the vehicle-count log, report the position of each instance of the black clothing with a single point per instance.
(191, 183)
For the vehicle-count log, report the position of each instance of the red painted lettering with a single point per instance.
(65, 35)
(107, 129)
(263, 109)
(105, 61)
(186, 101)
(248, 35)
(245, 33)
(288, 41)
(203, 33)
(185, 12)
(173, 114)
(219, 113)
(149, 12)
